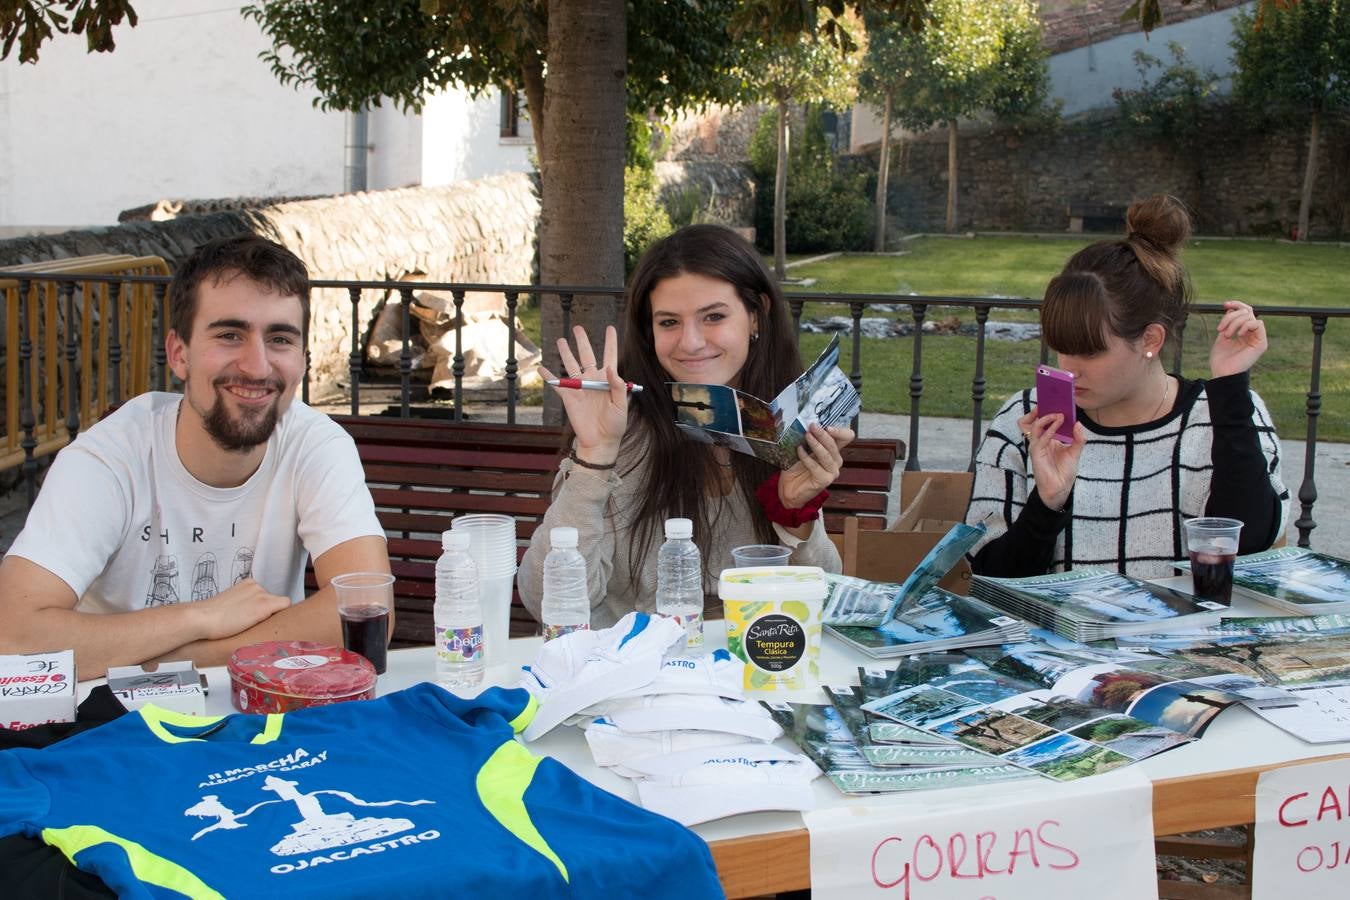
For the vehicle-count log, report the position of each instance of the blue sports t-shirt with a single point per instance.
(419, 793)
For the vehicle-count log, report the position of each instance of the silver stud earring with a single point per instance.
(1148, 354)
(754, 337)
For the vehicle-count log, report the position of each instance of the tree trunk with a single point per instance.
(1309, 176)
(883, 173)
(532, 76)
(581, 169)
(951, 176)
(780, 195)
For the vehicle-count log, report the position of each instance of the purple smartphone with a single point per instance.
(1054, 394)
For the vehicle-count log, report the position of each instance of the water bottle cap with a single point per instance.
(562, 536)
(679, 528)
(454, 540)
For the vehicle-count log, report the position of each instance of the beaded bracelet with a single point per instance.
(767, 494)
(588, 465)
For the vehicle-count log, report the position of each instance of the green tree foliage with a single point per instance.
(829, 207)
(1172, 106)
(645, 219)
(806, 69)
(973, 56)
(31, 23)
(1296, 64)
(885, 71)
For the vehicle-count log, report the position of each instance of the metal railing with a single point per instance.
(567, 296)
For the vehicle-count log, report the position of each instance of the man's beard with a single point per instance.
(241, 433)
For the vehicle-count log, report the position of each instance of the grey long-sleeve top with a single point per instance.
(600, 505)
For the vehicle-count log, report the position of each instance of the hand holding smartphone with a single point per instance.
(1054, 394)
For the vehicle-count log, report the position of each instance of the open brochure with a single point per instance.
(1091, 604)
(1065, 713)
(940, 620)
(1294, 579)
(721, 415)
(1307, 657)
(854, 601)
(820, 731)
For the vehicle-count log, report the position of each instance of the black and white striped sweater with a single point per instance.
(1215, 453)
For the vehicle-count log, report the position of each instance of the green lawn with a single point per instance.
(1263, 273)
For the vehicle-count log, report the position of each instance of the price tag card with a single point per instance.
(1303, 832)
(1088, 838)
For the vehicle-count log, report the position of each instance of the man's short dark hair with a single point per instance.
(256, 258)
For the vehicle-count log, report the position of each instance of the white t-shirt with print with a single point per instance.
(122, 522)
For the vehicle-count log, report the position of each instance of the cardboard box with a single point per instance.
(37, 689)
(174, 685)
(931, 502)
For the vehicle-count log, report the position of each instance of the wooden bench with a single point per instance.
(421, 473)
(1095, 217)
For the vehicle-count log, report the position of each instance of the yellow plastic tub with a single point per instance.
(773, 624)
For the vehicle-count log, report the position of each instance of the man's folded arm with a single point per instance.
(37, 613)
(313, 619)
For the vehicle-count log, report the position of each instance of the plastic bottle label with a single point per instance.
(459, 645)
(557, 631)
(693, 630)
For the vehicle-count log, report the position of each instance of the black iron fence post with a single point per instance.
(855, 376)
(977, 384)
(511, 299)
(1307, 491)
(920, 310)
(354, 357)
(457, 367)
(405, 355)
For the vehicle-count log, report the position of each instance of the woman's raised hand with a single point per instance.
(1240, 341)
(819, 461)
(599, 418)
(1055, 465)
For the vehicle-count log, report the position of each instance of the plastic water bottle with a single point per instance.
(459, 614)
(566, 605)
(679, 580)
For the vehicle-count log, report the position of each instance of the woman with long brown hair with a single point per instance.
(1149, 449)
(701, 307)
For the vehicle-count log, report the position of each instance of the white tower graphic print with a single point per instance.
(316, 830)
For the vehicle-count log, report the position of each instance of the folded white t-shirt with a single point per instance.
(582, 668)
(728, 781)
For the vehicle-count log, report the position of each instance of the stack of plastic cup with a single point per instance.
(492, 543)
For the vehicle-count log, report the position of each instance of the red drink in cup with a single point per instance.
(1212, 573)
(365, 630)
(364, 600)
(1212, 545)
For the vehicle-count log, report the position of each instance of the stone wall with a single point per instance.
(481, 231)
(719, 133)
(708, 191)
(1246, 182)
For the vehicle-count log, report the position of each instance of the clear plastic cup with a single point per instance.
(761, 555)
(1212, 544)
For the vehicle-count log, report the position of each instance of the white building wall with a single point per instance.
(182, 108)
(1084, 77)
(461, 139)
(185, 108)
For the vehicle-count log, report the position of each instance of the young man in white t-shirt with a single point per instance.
(179, 527)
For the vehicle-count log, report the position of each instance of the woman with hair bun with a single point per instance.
(1149, 449)
(701, 307)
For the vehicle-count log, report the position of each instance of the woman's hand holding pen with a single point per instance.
(599, 418)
